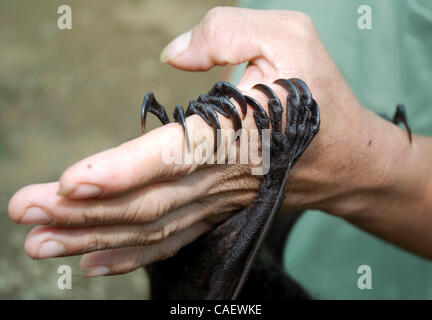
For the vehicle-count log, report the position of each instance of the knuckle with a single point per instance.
(147, 208)
(214, 14)
(153, 237)
(160, 207)
(133, 211)
(299, 24)
(301, 18)
(162, 233)
(155, 204)
(212, 26)
(95, 243)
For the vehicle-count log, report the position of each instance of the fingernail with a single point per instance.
(97, 271)
(82, 191)
(176, 47)
(65, 191)
(35, 215)
(50, 249)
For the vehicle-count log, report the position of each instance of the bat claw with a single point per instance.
(223, 88)
(401, 116)
(262, 121)
(150, 104)
(179, 116)
(275, 110)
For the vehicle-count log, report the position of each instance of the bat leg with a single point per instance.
(401, 116)
(285, 150)
(226, 89)
(217, 265)
(150, 104)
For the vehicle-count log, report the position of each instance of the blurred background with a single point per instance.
(67, 94)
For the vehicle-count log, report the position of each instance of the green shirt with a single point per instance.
(389, 64)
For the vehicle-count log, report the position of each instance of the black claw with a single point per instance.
(214, 120)
(275, 110)
(217, 102)
(266, 90)
(206, 112)
(311, 128)
(233, 115)
(292, 106)
(225, 107)
(293, 94)
(262, 121)
(150, 104)
(315, 117)
(195, 107)
(179, 116)
(222, 88)
(303, 88)
(402, 116)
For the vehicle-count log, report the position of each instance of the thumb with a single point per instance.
(224, 36)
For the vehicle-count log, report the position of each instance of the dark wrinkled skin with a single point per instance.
(217, 265)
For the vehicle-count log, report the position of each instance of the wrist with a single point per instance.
(383, 177)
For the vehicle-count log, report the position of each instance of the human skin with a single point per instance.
(124, 208)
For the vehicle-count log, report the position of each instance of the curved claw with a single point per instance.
(232, 113)
(402, 116)
(150, 104)
(225, 107)
(206, 112)
(266, 90)
(303, 89)
(212, 115)
(223, 88)
(262, 121)
(217, 102)
(292, 106)
(310, 127)
(194, 108)
(275, 109)
(179, 117)
(293, 94)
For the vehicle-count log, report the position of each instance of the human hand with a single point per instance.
(125, 208)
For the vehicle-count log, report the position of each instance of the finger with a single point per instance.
(129, 165)
(73, 241)
(118, 261)
(39, 204)
(154, 156)
(219, 39)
